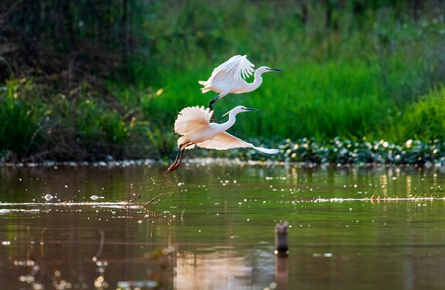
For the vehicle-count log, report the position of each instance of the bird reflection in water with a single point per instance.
(101, 264)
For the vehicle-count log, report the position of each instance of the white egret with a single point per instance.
(229, 77)
(193, 123)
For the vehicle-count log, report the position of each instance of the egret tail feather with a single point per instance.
(267, 150)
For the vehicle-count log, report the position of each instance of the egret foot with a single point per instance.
(178, 159)
(173, 167)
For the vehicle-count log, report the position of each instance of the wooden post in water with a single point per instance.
(281, 253)
(281, 246)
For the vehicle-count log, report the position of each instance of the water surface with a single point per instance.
(211, 226)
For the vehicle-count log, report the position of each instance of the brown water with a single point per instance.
(212, 227)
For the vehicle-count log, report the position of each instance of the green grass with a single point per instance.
(422, 120)
(306, 100)
(378, 75)
(348, 82)
(20, 121)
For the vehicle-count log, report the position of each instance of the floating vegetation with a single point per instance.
(337, 151)
(340, 151)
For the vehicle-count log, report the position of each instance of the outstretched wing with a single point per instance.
(191, 118)
(237, 67)
(224, 141)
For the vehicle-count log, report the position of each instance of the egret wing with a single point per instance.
(224, 141)
(191, 118)
(236, 67)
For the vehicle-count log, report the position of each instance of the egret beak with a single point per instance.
(252, 109)
(275, 69)
(246, 109)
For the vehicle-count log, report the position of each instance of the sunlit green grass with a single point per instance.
(422, 120)
(323, 100)
(375, 77)
(349, 82)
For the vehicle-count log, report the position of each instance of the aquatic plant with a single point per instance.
(344, 151)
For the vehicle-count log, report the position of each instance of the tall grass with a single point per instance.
(346, 82)
(350, 74)
(20, 121)
(38, 124)
(422, 120)
(309, 100)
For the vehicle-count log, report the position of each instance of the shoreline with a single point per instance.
(215, 161)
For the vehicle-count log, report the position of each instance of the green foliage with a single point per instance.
(351, 69)
(336, 82)
(85, 127)
(97, 129)
(20, 120)
(422, 120)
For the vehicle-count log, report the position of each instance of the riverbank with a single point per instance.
(307, 152)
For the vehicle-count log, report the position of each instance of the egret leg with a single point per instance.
(177, 162)
(211, 107)
(178, 159)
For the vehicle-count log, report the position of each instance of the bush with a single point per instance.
(422, 120)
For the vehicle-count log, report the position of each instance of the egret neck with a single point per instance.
(257, 81)
(229, 123)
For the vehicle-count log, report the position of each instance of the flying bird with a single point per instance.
(229, 77)
(193, 123)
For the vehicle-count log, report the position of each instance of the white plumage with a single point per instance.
(229, 77)
(193, 123)
(237, 67)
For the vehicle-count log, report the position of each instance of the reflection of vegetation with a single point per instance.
(97, 80)
(61, 261)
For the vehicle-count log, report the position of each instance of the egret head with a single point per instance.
(263, 69)
(240, 109)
